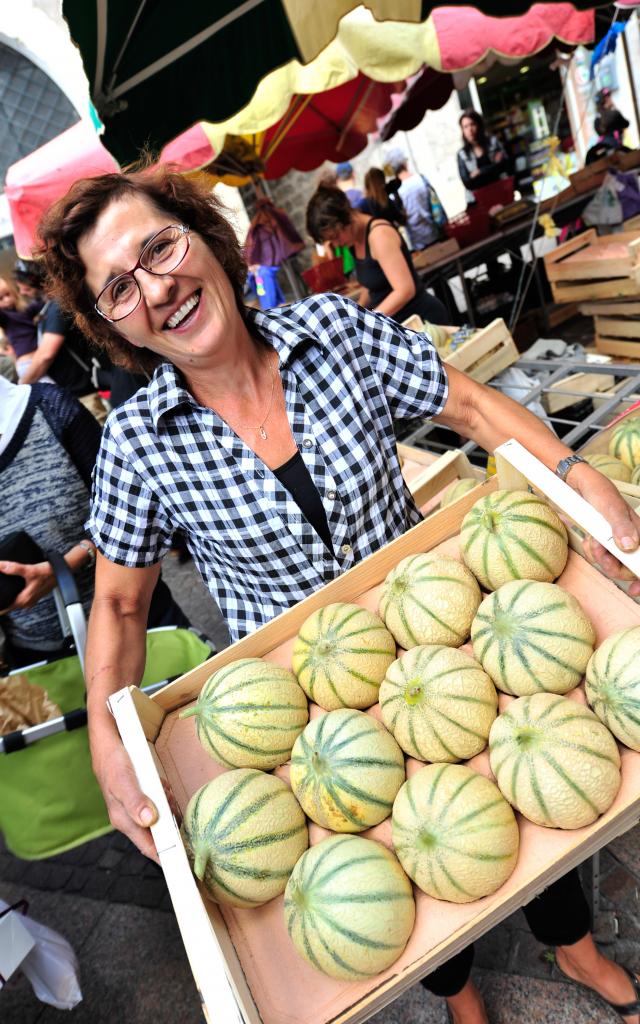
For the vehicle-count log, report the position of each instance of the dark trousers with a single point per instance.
(559, 916)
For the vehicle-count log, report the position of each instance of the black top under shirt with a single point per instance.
(295, 476)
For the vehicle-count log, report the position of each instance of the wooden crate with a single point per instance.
(591, 176)
(589, 267)
(434, 253)
(244, 964)
(486, 353)
(569, 390)
(617, 327)
(428, 476)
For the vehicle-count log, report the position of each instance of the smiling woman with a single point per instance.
(267, 439)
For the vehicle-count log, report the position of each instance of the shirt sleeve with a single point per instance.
(54, 321)
(126, 523)
(406, 362)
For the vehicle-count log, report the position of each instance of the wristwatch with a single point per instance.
(563, 467)
(91, 551)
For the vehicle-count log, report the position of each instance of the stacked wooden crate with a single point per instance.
(602, 274)
(483, 355)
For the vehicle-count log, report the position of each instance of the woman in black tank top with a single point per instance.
(383, 264)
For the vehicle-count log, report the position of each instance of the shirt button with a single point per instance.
(331, 495)
(307, 442)
(346, 549)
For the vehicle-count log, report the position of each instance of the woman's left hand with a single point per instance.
(39, 579)
(624, 522)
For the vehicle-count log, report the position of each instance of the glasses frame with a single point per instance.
(184, 231)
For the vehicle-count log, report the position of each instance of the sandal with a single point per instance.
(622, 1009)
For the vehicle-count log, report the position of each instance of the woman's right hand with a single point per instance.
(130, 811)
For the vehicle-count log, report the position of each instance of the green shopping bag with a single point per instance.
(50, 800)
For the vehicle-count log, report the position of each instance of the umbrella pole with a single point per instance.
(293, 278)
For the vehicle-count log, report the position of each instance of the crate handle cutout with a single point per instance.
(522, 465)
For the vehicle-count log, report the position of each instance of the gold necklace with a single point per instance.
(260, 427)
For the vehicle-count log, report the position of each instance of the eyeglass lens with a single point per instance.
(162, 254)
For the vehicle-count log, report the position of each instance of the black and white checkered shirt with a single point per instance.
(167, 463)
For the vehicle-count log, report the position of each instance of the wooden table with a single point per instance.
(504, 239)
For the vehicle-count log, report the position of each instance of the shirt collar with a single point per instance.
(285, 328)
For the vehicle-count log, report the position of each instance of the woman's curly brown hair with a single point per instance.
(184, 200)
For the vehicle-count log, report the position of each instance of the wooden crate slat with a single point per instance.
(618, 327)
(618, 347)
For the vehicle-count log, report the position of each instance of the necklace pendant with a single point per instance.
(263, 433)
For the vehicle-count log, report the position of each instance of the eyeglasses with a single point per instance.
(161, 255)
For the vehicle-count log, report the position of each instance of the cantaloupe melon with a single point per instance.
(510, 535)
(438, 703)
(613, 685)
(635, 476)
(532, 637)
(609, 466)
(249, 714)
(346, 770)
(341, 655)
(349, 907)
(244, 832)
(457, 489)
(454, 833)
(554, 760)
(625, 441)
(429, 599)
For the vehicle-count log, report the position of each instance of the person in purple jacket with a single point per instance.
(17, 322)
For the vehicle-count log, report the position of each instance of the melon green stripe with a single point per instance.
(468, 541)
(535, 786)
(308, 878)
(476, 855)
(348, 787)
(265, 840)
(570, 745)
(360, 940)
(430, 578)
(333, 748)
(531, 552)
(257, 707)
(243, 815)
(470, 815)
(533, 520)
(208, 726)
(561, 721)
(349, 815)
(332, 686)
(231, 797)
(373, 897)
(220, 758)
(572, 785)
(336, 956)
(436, 618)
(344, 866)
(347, 721)
(518, 650)
(454, 796)
(237, 687)
(307, 945)
(366, 762)
(485, 557)
(560, 702)
(405, 624)
(555, 634)
(452, 881)
(230, 891)
(463, 728)
(464, 699)
(506, 552)
(245, 871)
(613, 650)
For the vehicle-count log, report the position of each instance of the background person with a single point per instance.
(424, 214)
(346, 182)
(383, 265)
(48, 447)
(17, 322)
(377, 202)
(215, 443)
(482, 159)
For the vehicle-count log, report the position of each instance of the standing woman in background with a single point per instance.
(482, 158)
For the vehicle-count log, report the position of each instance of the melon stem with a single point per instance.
(200, 863)
(188, 712)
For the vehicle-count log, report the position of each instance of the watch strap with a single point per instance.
(563, 467)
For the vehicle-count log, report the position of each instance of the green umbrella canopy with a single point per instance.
(156, 66)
